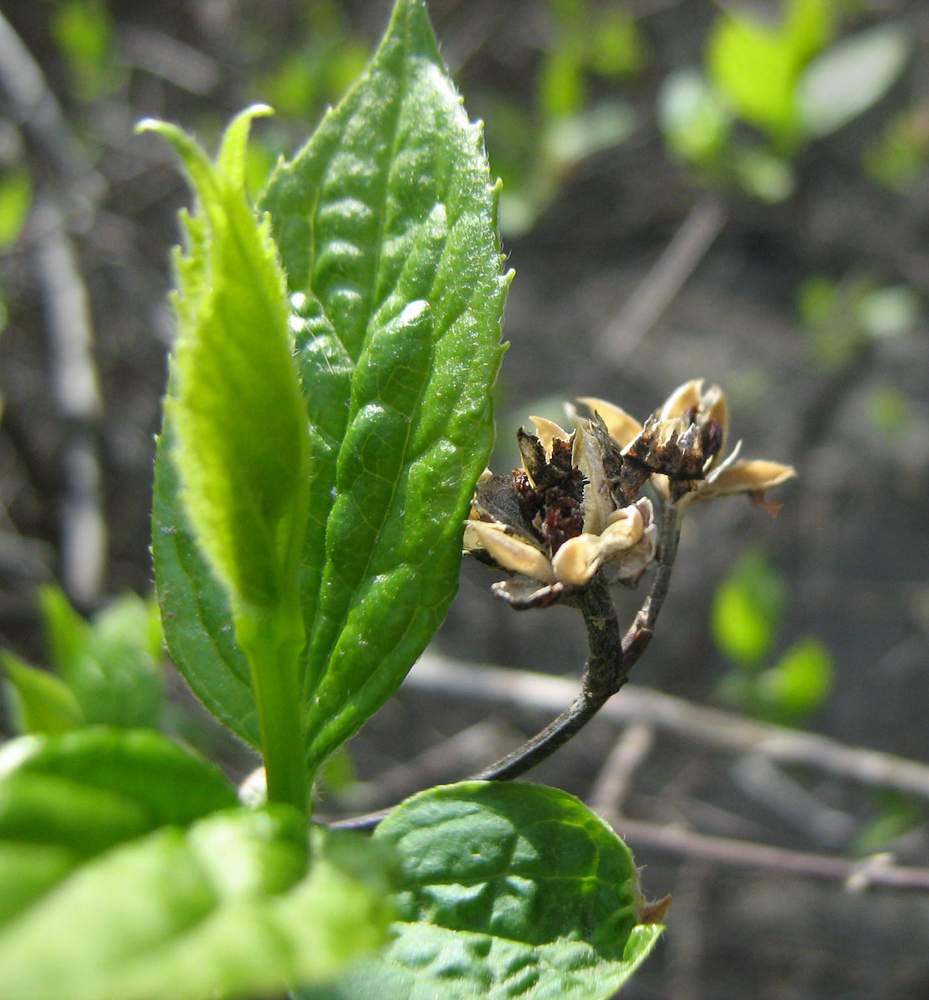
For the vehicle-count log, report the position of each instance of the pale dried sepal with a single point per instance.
(637, 559)
(524, 594)
(578, 559)
(598, 501)
(684, 398)
(623, 428)
(754, 475)
(471, 540)
(624, 528)
(548, 432)
(662, 485)
(717, 408)
(511, 553)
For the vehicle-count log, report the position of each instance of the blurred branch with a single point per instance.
(462, 751)
(722, 730)
(169, 59)
(777, 792)
(666, 277)
(73, 374)
(614, 780)
(36, 109)
(74, 385)
(858, 875)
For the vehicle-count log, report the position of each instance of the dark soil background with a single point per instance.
(852, 540)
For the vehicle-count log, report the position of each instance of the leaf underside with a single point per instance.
(386, 228)
(129, 872)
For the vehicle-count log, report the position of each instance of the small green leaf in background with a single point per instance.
(843, 317)
(758, 65)
(327, 60)
(894, 815)
(83, 31)
(40, 702)
(852, 76)
(899, 157)
(888, 312)
(763, 175)
(617, 47)
(693, 118)
(888, 410)
(562, 84)
(508, 891)
(797, 685)
(15, 202)
(112, 664)
(175, 890)
(570, 139)
(757, 72)
(747, 609)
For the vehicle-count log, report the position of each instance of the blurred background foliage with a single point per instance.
(736, 189)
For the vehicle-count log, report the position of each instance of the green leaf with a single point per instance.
(111, 665)
(141, 771)
(890, 311)
(127, 872)
(240, 440)
(762, 175)
(41, 702)
(809, 26)
(758, 65)
(852, 76)
(15, 202)
(747, 609)
(798, 684)
(508, 890)
(895, 815)
(888, 410)
(197, 616)
(898, 158)
(562, 88)
(693, 117)
(235, 402)
(755, 67)
(617, 46)
(387, 230)
(83, 31)
(573, 138)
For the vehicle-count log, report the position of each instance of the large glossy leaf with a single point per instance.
(508, 891)
(387, 230)
(128, 871)
(386, 227)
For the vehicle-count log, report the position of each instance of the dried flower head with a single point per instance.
(683, 448)
(562, 517)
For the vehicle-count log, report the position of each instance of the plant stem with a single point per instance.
(606, 671)
(274, 664)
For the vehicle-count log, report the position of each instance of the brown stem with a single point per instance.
(606, 671)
